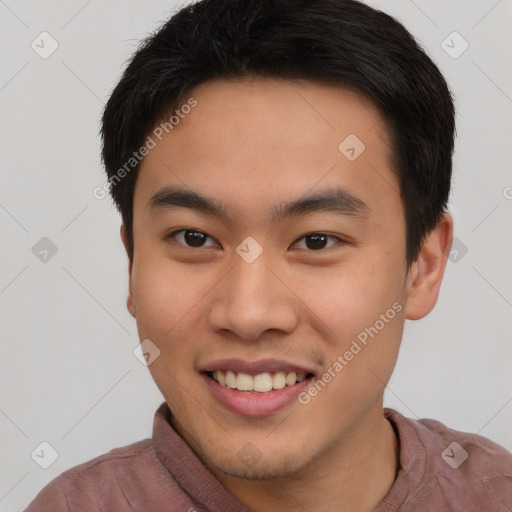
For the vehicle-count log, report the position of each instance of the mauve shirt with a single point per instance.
(441, 470)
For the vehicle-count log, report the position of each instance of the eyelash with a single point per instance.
(183, 230)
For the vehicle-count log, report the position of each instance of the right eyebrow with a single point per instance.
(171, 197)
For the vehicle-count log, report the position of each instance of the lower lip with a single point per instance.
(255, 404)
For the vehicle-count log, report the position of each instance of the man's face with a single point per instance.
(305, 266)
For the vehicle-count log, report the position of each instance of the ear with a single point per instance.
(129, 301)
(426, 273)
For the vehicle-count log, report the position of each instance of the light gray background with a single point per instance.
(69, 376)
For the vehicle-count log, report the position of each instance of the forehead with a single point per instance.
(252, 141)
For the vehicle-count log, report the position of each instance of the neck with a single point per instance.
(354, 475)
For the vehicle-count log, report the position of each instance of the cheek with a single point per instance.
(351, 297)
(361, 317)
(168, 302)
(164, 295)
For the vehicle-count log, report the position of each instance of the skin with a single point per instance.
(252, 145)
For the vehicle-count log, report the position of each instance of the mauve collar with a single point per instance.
(202, 486)
(188, 470)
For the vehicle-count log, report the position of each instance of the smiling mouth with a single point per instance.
(260, 383)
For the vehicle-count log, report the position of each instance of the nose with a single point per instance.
(252, 300)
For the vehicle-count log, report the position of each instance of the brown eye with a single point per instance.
(317, 241)
(193, 238)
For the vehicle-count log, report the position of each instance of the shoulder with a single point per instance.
(107, 465)
(470, 452)
(83, 486)
(462, 466)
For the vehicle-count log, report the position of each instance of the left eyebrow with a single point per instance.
(331, 200)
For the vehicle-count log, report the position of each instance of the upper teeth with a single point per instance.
(262, 382)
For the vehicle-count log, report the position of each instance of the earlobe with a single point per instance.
(129, 301)
(426, 274)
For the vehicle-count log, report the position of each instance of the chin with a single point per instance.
(262, 467)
